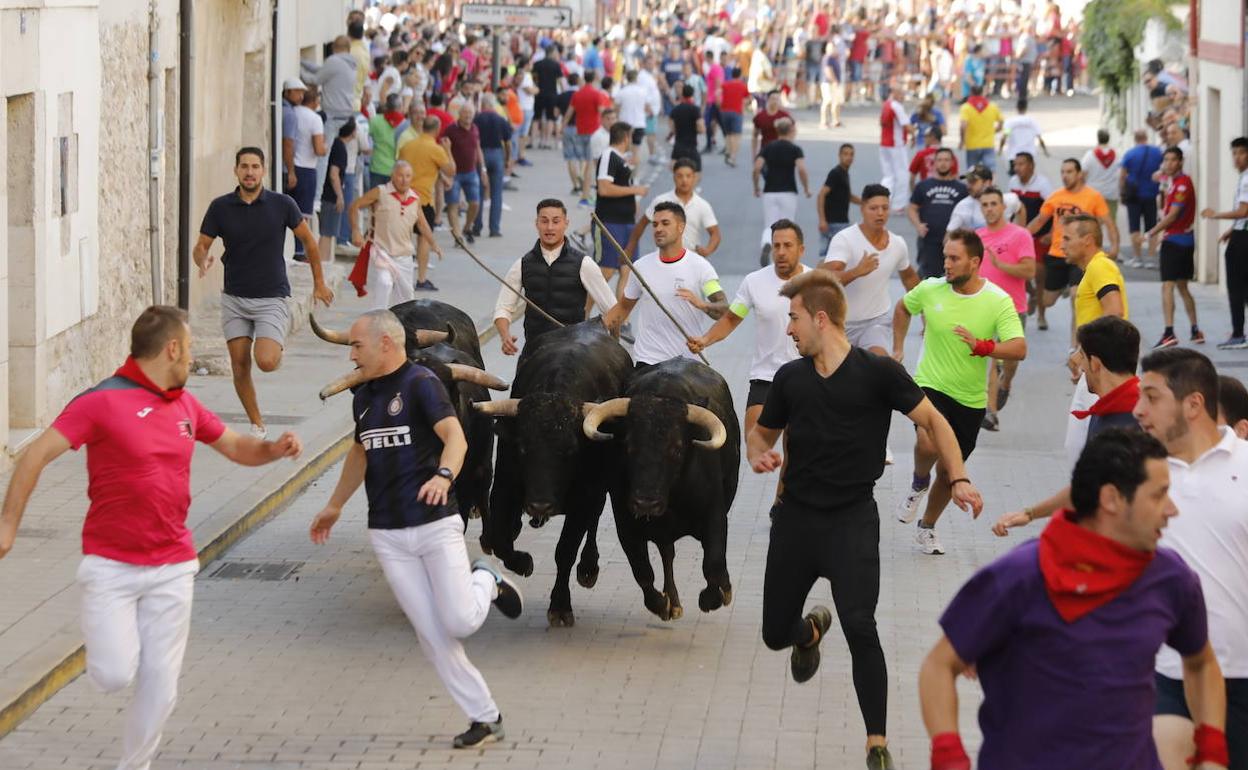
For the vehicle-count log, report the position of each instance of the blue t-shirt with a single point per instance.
(974, 70)
(1141, 162)
(493, 129)
(254, 235)
(936, 199)
(394, 419)
(1059, 695)
(921, 126)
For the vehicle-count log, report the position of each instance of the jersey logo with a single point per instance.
(396, 405)
(184, 429)
(384, 438)
(145, 411)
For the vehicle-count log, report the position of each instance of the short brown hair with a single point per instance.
(1084, 224)
(974, 245)
(819, 290)
(154, 328)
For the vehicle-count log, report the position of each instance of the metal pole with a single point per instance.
(496, 65)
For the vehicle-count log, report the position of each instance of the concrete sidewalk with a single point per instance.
(40, 640)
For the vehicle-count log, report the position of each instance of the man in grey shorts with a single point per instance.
(252, 223)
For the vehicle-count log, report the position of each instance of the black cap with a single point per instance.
(979, 171)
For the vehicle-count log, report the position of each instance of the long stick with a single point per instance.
(460, 242)
(642, 279)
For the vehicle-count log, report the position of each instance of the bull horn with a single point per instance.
(705, 418)
(505, 407)
(466, 373)
(427, 337)
(329, 335)
(346, 381)
(600, 413)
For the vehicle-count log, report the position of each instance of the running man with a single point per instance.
(1074, 620)
(835, 403)
(968, 214)
(701, 226)
(832, 202)
(397, 211)
(139, 562)
(931, 205)
(409, 447)
(1178, 247)
(968, 322)
(894, 134)
(252, 223)
(1033, 189)
(780, 163)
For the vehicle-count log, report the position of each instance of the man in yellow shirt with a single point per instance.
(981, 120)
(428, 159)
(359, 52)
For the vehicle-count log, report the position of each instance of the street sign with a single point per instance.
(517, 15)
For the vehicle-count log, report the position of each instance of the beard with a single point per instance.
(958, 280)
(1178, 430)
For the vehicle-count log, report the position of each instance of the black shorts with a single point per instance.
(544, 106)
(1172, 701)
(964, 420)
(1059, 274)
(758, 393)
(685, 152)
(639, 136)
(1177, 263)
(1141, 214)
(430, 215)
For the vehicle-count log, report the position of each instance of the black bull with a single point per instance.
(546, 466)
(680, 482)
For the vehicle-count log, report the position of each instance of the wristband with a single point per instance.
(959, 481)
(983, 348)
(948, 754)
(1210, 747)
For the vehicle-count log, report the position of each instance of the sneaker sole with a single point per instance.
(491, 738)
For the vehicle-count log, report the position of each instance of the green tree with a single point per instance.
(1111, 31)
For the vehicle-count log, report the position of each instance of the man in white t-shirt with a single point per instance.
(863, 258)
(968, 214)
(701, 226)
(1101, 169)
(526, 94)
(760, 294)
(310, 146)
(1020, 133)
(686, 283)
(633, 103)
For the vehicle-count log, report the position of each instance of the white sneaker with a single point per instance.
(888, 456)
(259, 431)
(909, 508)
(929, 542)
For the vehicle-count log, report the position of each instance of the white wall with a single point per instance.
(1220, 88)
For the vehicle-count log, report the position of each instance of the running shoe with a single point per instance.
(1234, 343)
(479, 733)
(1042, 325)
(1166, 341)
(1198, 337)
(496, 234)
(509, 601)
(469, 237)
(259, 431)
(804, 661)
(583, 203)
(991, 422)
(878, 758)
(426, 285)
(909, 507)
(928, 540)
(524, 162)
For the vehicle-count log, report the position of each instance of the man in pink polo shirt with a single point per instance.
(139, 564)
(1009, 262)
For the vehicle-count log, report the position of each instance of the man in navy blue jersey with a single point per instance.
(409, 449)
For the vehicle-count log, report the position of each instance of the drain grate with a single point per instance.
(256, 570)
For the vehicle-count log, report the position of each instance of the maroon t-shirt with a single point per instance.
(766, 125)
(464, 145)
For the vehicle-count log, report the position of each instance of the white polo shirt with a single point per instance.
(1211, 534)
(867, 297)
(699, 217)
(760, 294)
(657, 337)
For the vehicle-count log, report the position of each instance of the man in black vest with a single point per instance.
(552, 275)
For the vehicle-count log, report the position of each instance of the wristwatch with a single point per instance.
(446, 473)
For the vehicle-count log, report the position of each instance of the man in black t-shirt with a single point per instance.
(834, 198)
(409, 447)
(931, 205)
(546, 74)
(779, 164)
(835, 402)
(687, 124)
(616, 205)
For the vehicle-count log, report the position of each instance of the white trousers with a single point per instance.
(136, 620)
(1076, 429)
(445, 600)
(389, 279)
(895, 167)
(777, 206)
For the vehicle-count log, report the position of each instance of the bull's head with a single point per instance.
(457, 373)
(422, 338)
(658, 433)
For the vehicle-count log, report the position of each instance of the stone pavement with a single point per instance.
(321, 670)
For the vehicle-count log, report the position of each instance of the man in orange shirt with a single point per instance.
(1075, 197)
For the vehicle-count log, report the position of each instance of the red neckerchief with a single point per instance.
(404, 202)
(394, 118)
(131, 371)
(1120, 400)
(980, 103)
(1083, 570)
(1105, 155)
(666, 261)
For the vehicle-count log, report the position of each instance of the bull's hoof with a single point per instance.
(660, 605)
(560, 618)
(520, 563)
(586, 574)
(712, 598)
(726, 593)
(677, 612)
(537, 522)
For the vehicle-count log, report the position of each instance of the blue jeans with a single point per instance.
(495, 162)
(985, 155)
(348, 195)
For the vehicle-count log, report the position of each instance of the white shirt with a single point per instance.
(1211, 534)
(651, 86)
(307, 125)
(867, 297)
(968, 215)
(1038, 185)
(511, 307)
(1241, 196)
(599, 141)
(631, 101)
(657, 338)
(699, 217)
(1021, 133)
(525, 97)
(773, 347)
(1103, 180)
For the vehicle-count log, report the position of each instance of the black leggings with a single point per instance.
(1237, 279)
(844, 547)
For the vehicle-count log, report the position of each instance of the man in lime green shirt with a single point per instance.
(969, 320)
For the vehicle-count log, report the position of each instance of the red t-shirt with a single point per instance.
(1181, 194)
(444, 117)
(733, 95)
(587, 102)
(858, 49)
(766, 126)
(924, 163)
(139, 448)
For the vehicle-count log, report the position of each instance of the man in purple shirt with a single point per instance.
(1063, 631)
(462, 141)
